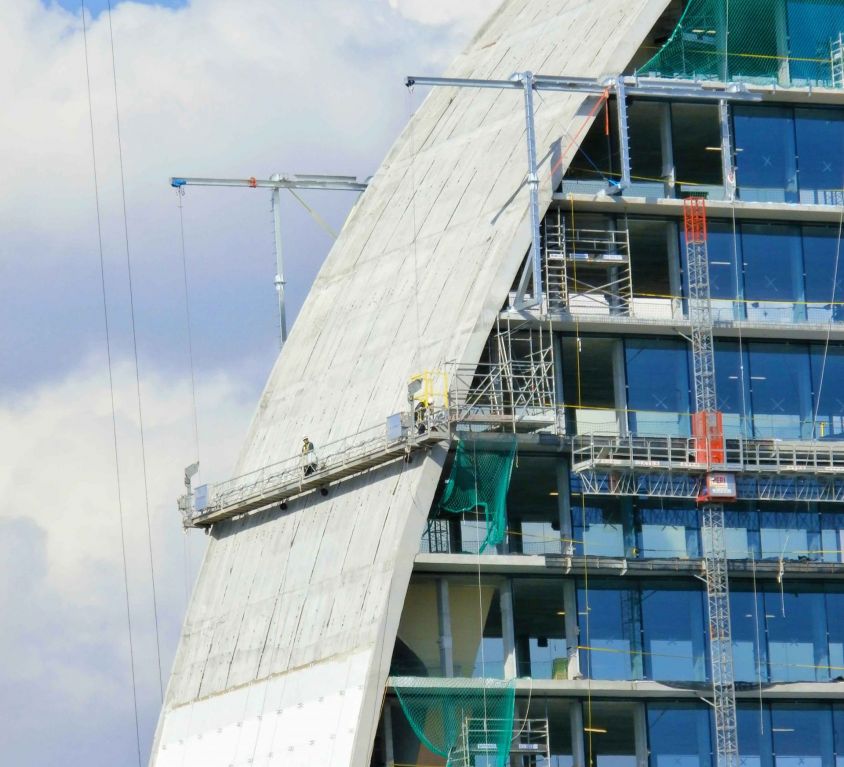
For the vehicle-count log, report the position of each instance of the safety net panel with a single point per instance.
(790, 42)
(460, 719)
(479, 481)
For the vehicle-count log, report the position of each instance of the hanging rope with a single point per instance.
(135, 353)
(111, 389)
(186, 558)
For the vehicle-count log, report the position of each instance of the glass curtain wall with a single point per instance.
(658, 387)
(789, 155)
(770, 735)
(657, 630)
(765, 390)
(679, 735)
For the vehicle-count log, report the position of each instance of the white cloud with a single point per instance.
(212, 89)
(60, 554)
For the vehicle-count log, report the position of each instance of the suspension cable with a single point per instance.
(135, 353)
(111, 388)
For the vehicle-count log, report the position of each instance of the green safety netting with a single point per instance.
(785, 41)
(460, 719)
(479, 480)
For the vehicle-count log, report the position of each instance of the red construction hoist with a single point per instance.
(708, 432)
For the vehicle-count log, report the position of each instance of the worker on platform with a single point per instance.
(420, 416)
(309, 459)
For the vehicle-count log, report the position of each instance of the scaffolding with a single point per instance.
(587, 271)
(837, 61)
(515, 390)
(479, 739)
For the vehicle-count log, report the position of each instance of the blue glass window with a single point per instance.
(601, 528)
(741, 530)
(832, 535)
(786, 532)
(828, 386)
(838, 730)
(835, 627)
(747, 620)
(824, 284)
(679, 736)
(754, 736)
(658, 386)
(766, 166)
(802, 736)
(780, 391)
(796, 623)
(732, 383)
(725, 259)
(610, 626)
(820, 151)
(673, 622)
(668, 529)
(773, 272)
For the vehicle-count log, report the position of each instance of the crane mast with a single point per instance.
(708, 430)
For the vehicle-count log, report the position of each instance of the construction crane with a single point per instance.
(709, 433)
(276, 183)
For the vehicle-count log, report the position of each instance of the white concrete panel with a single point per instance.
(297, 719)
(286, 645)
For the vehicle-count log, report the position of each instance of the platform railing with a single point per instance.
(684, 454)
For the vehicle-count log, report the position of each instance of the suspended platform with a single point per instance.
(671, 467)
(295, 476)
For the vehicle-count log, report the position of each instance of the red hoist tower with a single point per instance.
(707, 428)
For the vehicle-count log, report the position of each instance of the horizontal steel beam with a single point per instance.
(278, 181)
(682, 90)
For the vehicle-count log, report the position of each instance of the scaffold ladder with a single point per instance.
(837, 61)
(717, 583)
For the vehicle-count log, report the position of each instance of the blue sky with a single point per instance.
(208, 87)
(96, 6)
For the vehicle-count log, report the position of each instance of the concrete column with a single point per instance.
(564, 505)
(572, 629)
(559, 394)
(619, 386)
(727, 154)
(508, 629)
(387, 734)
(666, 143)
(445, 642)
(675, 276)
(640, 734)
(578, 754)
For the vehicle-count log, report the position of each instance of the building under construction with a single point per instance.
(572, 380)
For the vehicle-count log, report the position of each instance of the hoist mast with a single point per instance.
(709, 433)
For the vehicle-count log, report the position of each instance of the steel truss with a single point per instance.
(655, 484)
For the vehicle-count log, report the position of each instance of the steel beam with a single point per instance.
(278, 181)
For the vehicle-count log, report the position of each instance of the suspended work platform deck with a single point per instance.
(300, 474)
(670, 467)
(595, 451)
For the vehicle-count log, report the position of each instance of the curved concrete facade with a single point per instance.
(287, 642)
